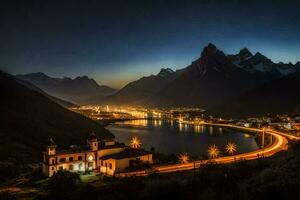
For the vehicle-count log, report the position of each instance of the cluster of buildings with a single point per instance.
(129, 112)
(103, 156)
(280, 122)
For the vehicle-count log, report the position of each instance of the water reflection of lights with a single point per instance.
(220, 130)
(180, 127)
(211, 130)
(197, 129)
(138, 122)
(157, 123)
(202, 129)
(185, 127)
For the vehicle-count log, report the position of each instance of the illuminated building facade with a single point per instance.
(105, 156)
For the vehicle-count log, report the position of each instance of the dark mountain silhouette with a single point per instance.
(209, 80)
(275, 97)
(29, 119)
(244, 54)
(137, 92)
(80, 90)
(61, 102)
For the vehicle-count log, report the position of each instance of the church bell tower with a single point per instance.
(51, 148)
(93, 142)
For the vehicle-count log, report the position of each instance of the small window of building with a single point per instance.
(61, 168)
(80, 166)
(79, 157)
(71, 159)
(62, 160)
(71, 167)
(110, 166)
(52, 168)
(105, 164)
(90, 164)
(102, 163)
(52, 161)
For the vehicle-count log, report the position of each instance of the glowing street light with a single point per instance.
(213, 151)
(183, 158)
(231, 148)
(135, 143)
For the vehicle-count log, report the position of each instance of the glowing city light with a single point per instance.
(135, 143)
(90, 158)
(231, 148)
(213, 151)
(183, 158)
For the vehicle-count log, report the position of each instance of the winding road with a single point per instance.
(279, 144)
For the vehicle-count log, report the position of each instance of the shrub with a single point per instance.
(62, 185)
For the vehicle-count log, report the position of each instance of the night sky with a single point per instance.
(115, 42)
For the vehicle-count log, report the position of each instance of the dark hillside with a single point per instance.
(275, 97)
(29, 119)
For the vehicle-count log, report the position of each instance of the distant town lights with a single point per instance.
(90, 158)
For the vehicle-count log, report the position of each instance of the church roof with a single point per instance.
(51, 142)
(93, 136)
(76, 149)
(127, 153)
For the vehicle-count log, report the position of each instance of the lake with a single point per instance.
(171, 137)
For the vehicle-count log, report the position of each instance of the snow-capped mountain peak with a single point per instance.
(258, 62)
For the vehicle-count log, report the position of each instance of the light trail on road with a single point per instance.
(279, 144)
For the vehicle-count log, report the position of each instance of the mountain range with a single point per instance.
(29, 119)
(212, 80)
(208, 81)
(139, 91)
(80, 90)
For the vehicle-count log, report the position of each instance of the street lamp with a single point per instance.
(213, 151)
(135, 143)
(183, 158)
(231, 148)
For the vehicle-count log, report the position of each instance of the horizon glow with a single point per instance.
(117, 42)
